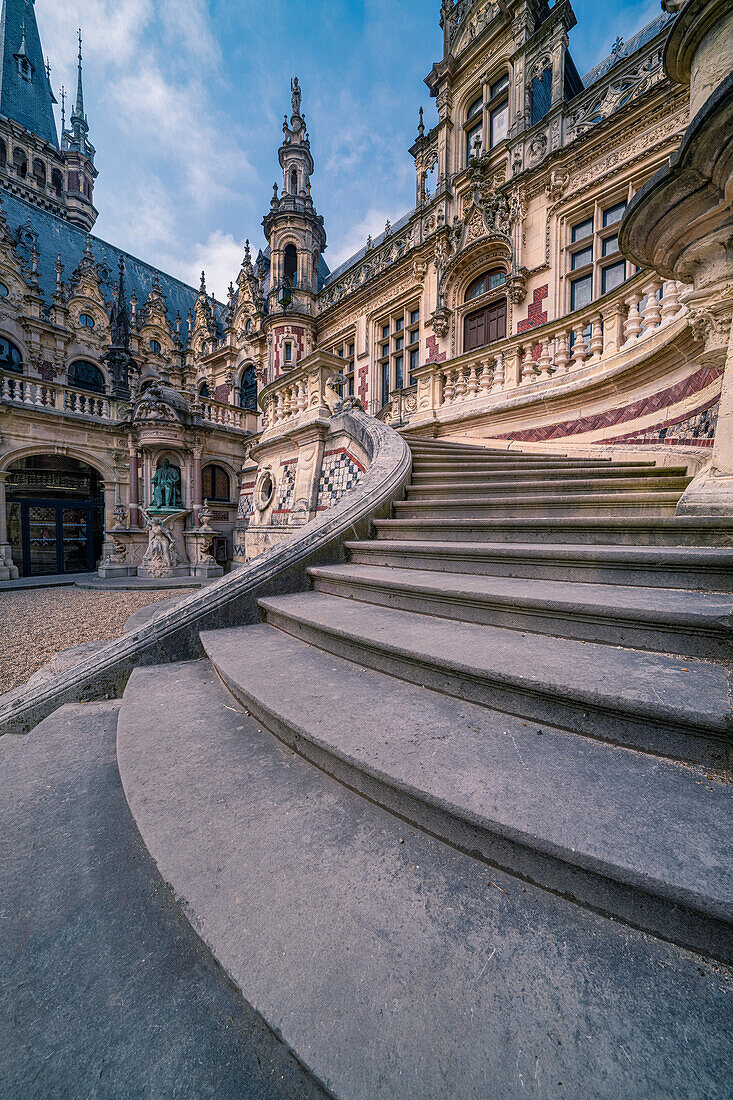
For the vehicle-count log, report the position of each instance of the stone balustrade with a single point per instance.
(223, 415)
(613, 325)
(300, 396)
(35, 393)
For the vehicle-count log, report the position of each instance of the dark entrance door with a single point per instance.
(55, 536)
(484, 326)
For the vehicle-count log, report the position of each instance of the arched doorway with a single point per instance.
(55, 510)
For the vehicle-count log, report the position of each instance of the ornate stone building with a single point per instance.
(499, 307)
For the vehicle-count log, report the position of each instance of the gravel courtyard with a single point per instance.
(37, 623)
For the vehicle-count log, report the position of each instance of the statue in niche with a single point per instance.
(167, 486)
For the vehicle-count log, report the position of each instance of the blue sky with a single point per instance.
(185, 100)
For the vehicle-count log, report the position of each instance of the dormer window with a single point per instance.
(86, 320)
(495, 126)
(541, 95)
(24, 67)
(155, 347)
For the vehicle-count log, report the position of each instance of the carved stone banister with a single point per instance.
(300, 396)
(173, 635)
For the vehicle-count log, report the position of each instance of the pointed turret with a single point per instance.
(77, 137)
(79, 153)
(118, 357)
(25, 90)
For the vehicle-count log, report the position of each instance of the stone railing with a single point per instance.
(300, 396)
(173, 635)
(588, 338)
(223, 415)
(34, 393)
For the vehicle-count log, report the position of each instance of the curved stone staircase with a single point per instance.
(516, 836)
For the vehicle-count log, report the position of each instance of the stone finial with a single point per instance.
(421, 125)
(202, 287)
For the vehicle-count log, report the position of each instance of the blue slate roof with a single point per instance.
(29, 102)
(54, 236)
(646, 34)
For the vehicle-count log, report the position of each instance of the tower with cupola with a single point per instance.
(297, 240)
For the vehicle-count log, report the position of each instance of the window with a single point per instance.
(10, 357)
(155, 346)
(86, 376)
(288, 354)
(595, 265)
(3, 154)
(3, 291)
(485, 325)
(248, 389)
(20, 163)
(204, 390)
(345, 351)
(293, 182)
(613, 214)
(214, 483)
(39, 172)
(86, 320)
(399, 348)
(490, 280)
(496, 106)
(290, 265)
(541, 95)
(57, 182)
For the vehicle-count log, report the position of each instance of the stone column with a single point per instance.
(133, 495)
(197, 501)
(8, 571)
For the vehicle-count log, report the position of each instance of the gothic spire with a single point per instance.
(79, 105)
(77, 137)
(25, 90)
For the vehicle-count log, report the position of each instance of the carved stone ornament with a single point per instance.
(118, 556)
(557, 185)
(439, 321)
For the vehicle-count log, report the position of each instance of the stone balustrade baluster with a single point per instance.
(544, 363)
(596, 338)
(461, 384)
(472, 384)
(652, 312)
(529, 369)
(449, 390)
(670, 300)
(580, 351)
(498, 374)
(302, 400)
(561, 353)
(632, 327)
(486, 376)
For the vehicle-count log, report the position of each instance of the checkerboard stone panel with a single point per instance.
(340, 472)
(286, 486)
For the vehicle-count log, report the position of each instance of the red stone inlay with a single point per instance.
(434, 356)
(535, 313)
(656, 402)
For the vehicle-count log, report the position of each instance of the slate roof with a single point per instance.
(54, 235)
(342, 268)
(646, 34)
(28, 102)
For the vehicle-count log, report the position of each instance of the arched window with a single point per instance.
(86, 376)
(39, 172)
(474, 132)
(214, 483)
(248, 326)
(490, 280)
(3, 291)
(155, 347)
(86, 320)
(10, 357)
(57, 181)
(541, 95)
(204, 390)
(20, 163)
(293, 182)
(290, 265)
(248, 389)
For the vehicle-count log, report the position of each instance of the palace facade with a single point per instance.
(500, 307)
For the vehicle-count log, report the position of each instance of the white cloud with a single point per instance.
(220, 256)
(371, 225)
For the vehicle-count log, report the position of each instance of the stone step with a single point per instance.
(510, 486)
(708, 569)
(391, 963)
(588, 824)
(649, 502)
(626, 530)
(696, 624)
(512, 461)
(520, 475)
(107, 990)
(430, 446)
(672, 706)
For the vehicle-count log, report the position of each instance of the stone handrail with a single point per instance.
(35, 393)
(300, 395)
(173, 635)
(587, 337)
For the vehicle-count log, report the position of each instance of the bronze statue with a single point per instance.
(166, 486)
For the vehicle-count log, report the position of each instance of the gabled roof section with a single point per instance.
(53, 236)
(646, 34)
(25, 90)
